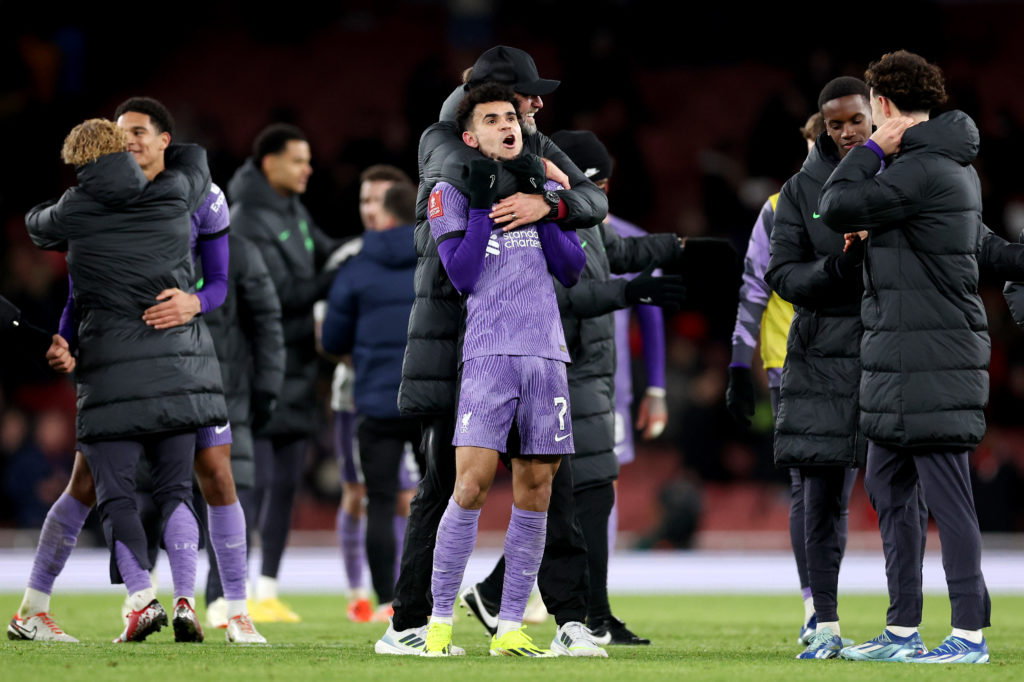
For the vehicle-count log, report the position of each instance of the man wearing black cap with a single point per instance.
(586, 311)
(430, 368)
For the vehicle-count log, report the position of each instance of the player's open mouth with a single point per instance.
(509, 141)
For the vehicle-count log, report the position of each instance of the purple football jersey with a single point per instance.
(512, 309)
(210, 218)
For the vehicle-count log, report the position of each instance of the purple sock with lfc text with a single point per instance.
(181, 540)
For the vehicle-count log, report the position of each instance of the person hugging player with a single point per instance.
(513, 364)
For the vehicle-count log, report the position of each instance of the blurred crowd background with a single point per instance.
(700, 106)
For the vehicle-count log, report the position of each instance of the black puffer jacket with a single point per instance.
(589, 325)
(293, 248)
(430, 365)
(818, 408)
(127, 238)
(925, 349)
(250, 344)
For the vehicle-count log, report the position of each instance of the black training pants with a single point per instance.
(381, 449)
(894, 479)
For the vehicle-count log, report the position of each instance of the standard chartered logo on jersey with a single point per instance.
(526, 237)
(521, 238)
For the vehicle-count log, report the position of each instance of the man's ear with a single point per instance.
(886, 105)
(470, 139)
(165, 137)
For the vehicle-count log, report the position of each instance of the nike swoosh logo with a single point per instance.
(583, 244)
(24, 631)
(559, 439)
(221, 429)
(815, 216)
(234, 545)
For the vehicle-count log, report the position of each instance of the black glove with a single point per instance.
(847, 264)
(482, 183)
(667, 292)
(263, 405)
(529, 171)
(739, 396)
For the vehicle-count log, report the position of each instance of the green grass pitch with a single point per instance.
(704, 637)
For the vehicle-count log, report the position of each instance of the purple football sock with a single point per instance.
(524, 548)
(613, 527)
(135, 577)
(227, 535)
(350, 540)
(456, 535)
(400, 523)
(60, 532)
(181, 540)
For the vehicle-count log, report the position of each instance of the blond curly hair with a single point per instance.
(92, 139)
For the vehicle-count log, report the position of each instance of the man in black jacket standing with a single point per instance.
(925, 349)
(430, 368)
(816, 432)
(265, 209)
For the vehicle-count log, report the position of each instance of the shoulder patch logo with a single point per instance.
(435, 208)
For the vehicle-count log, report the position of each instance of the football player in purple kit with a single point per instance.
(149, 126)
(513, 365)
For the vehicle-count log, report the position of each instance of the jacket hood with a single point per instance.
(113, 179)
(952, 134)
(822, 159)
(248, 184)
(392, 248)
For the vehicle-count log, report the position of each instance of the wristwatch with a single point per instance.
(551, 196)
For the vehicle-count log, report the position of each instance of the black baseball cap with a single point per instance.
(511, 66)
(586, 151)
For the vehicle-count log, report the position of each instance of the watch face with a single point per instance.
(552, 197)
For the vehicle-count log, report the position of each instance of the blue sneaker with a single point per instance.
(824, 644)
(808, 630)
(955, 650)
(886, 647)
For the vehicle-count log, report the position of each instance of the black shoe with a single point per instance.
(485, 612)
(611, 630)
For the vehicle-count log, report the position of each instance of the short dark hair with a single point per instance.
(486, 92)
(844, 86)
(158, 114)
(384, 172)
(274, 138)
(400, 201)
(909, 80)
